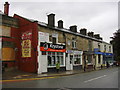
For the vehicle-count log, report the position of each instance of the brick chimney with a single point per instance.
(83, 31)
(51, 20)
(73, 28)
(91, 34)
(60, 24)
(6, 8)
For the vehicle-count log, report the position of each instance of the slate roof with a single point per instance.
(65, 30)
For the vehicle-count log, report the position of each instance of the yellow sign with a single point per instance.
(26, 48)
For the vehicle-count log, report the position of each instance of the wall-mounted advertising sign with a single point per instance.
(52, 47)
(26, 44)
(43, 37)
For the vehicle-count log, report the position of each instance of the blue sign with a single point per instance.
(98, 53)
(108, 54)
(96, 49)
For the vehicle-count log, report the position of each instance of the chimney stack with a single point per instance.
(91, 34)
(83, 31)
(6, 8)
(73, 28)
(97, 36)
(60, 24)
(51, 20)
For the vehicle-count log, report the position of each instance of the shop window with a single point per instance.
(53, 57)
(76, 59)
(89, 58)
(49, 60)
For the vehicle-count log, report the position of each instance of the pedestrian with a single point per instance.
(3, 68)
(85, 64)
(101, 66)
(57, 66)
(84, 68)
(94, 67)
(107, 65)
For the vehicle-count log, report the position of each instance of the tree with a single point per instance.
(116, 45)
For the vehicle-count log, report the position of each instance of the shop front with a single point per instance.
(98, 57)
(108, 57)
(88, 59)
(8, 56)
(73, 59)
(49, 54)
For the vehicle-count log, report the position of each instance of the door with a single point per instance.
(69, 62)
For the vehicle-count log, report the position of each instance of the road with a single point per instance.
(107, 78)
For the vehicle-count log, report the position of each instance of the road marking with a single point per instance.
(95, 78)
(28, 79)
(17, 80)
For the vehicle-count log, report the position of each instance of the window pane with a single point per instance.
(54, 40)
(49, 61)
(61, 60)
(53, 61)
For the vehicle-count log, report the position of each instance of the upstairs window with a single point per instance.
(109, 48)
(105, 48)
(74, 44)
(99, 47)
(54, 40)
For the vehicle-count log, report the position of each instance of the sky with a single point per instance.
(99, 16)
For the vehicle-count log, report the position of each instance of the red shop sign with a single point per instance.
(52, 47)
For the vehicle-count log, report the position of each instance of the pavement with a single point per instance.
(17, 75)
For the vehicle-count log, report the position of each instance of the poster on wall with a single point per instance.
(26, 48)
(26, 44)
(43, 37)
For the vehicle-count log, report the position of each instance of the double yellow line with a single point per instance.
(26, 79)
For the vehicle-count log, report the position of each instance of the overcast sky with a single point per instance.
(101, 17)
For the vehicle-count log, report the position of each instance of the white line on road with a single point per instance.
(95, 78)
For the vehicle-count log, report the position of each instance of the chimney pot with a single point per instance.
(6, 8)
(83, 31)
(91, 34)
(97, 36)
(60, 24)
(51, 20)
(73, 28)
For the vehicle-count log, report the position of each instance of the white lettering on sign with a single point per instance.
(56, 46)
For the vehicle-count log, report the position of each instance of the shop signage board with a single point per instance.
(26, 44)
(44, 46)
(74, 52)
